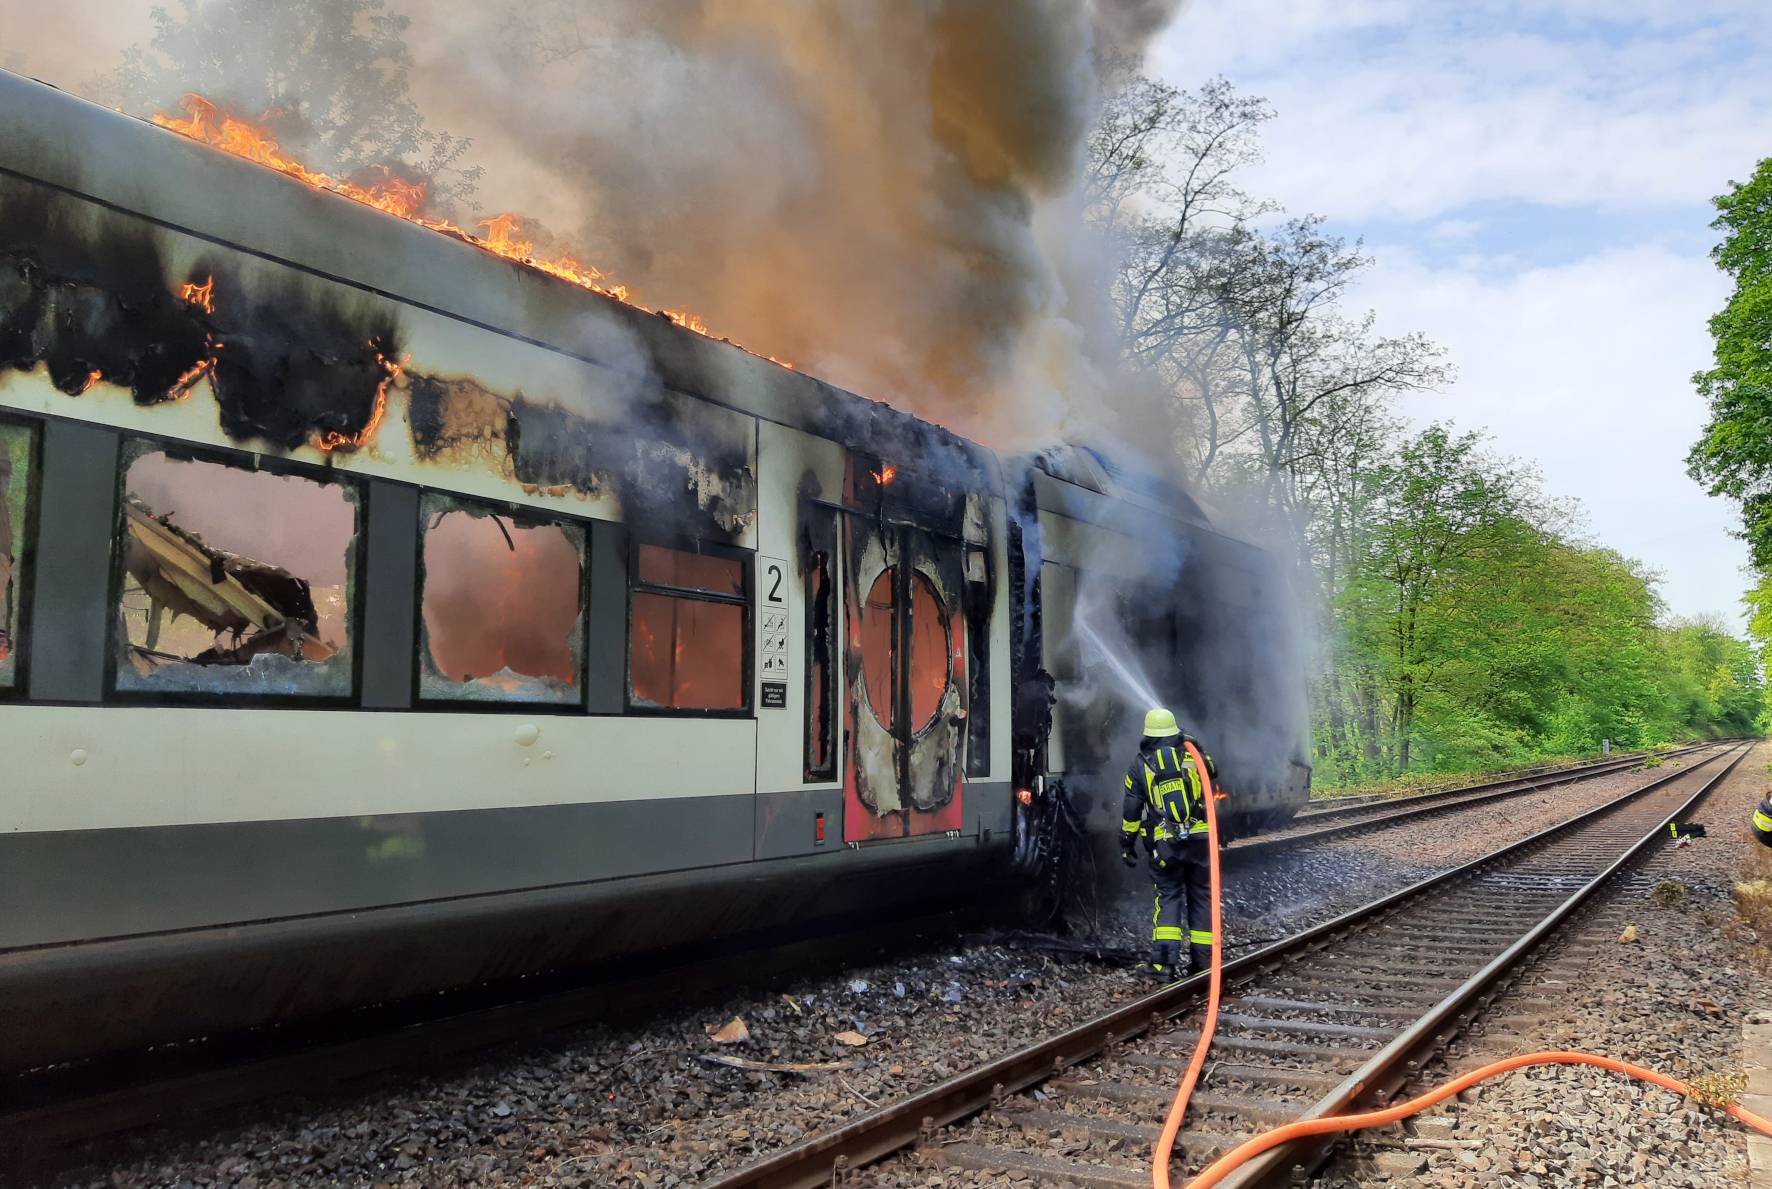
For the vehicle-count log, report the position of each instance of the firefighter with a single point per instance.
(1763, 821)
(1165, 805)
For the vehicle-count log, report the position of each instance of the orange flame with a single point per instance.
(885, 474)
(332, 439)
(242, 138)
(208, 123)
(181, 388)
(202, 296)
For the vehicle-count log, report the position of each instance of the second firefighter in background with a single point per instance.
(1165, 804)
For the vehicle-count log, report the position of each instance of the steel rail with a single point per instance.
(823, 1159)
(1442, 802)
(1391, 1067)
(1524, 776)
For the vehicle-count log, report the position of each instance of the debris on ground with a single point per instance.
(1667, 892)
(731, 1033)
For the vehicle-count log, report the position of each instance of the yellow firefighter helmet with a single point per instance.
(1160, 724)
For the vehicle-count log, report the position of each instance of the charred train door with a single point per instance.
(906, 676)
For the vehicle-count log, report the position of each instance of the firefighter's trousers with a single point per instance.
(1182, 875)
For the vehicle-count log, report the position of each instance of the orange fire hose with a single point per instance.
(1178, 1108)
(1219, 1169)
(1236, 1157)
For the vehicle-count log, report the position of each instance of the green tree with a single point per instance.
(1734, 456)
(327, 78)
(1439, 508)
(1475, 629)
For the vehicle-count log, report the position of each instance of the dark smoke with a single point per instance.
(881, 193)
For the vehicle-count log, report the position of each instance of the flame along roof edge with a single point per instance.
(135, 167)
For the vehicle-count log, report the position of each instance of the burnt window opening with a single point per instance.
(501, 597)
(821, 655)
(233, 580)
(886, 637)
(17, 455)
(930, 667)
(976, 599)
(688, 630)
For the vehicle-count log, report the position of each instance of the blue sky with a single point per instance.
(1534, 180)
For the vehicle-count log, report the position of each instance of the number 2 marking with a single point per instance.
(775, 591)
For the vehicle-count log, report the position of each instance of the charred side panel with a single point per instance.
(296, 372)
(89, 295)
(1032, 685)
(929, 471)
(906, 654)
(90, 302)
(816, 547)
(656, 460)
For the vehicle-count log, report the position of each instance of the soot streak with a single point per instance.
(663, 465)
(91, 297)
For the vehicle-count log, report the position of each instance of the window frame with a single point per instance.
(25, 539)
(517, 514)
(132, 445)
(977, 609)
(830, 772)
(746, 600)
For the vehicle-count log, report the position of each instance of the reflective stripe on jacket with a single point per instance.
(1163, 796)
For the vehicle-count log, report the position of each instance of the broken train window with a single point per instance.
(688, 630)
(976, 605)
(16, 453)
(821, 651)
(503, 606)
(234, 580)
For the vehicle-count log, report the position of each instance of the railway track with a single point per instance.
(1333, 1019)
(1323, 824)
(1328, 806)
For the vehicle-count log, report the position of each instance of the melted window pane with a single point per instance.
(929, 667)
(234, 581)
(694, 571)
(503, 607)
(879, 657)
(686, 653)
(15, 479)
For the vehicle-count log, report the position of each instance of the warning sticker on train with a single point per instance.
(772, 623)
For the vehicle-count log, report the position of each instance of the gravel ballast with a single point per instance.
(1673, 997)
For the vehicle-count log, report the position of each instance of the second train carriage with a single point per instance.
(383, 616)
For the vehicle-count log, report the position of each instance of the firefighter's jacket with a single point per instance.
(1164, 798)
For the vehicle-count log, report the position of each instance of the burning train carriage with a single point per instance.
(441, 619)
(385, 616)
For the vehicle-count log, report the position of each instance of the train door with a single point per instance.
(905, 637)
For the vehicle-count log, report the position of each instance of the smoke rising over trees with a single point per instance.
(1462, 619)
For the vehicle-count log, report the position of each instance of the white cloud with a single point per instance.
(1585, 370)
(1415, 112)
(1411, 109)
(1454, 229)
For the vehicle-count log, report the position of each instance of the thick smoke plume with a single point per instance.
(881, 193)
